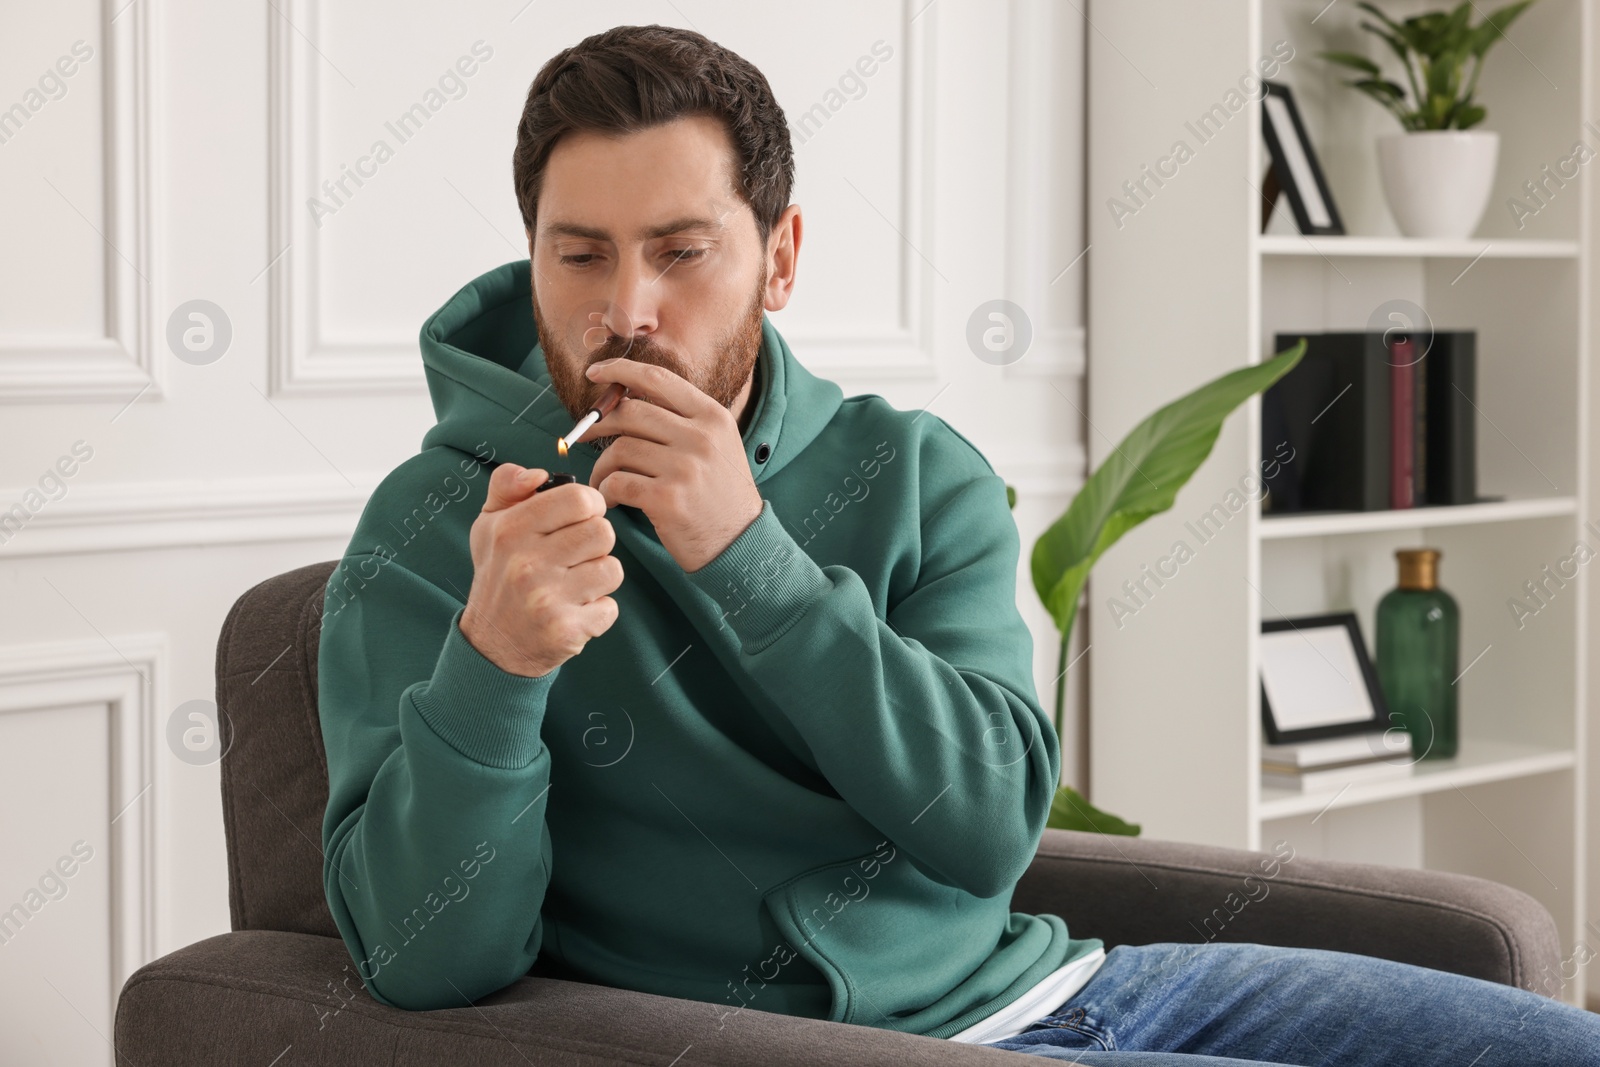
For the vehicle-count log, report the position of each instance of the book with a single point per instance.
(1402, 422)
(1419, 467)
(1376, 422)
(1335, 777)
(1323, 752)
(1333, 409)
(1449, 398)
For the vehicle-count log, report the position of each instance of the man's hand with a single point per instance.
(541, 572)
(678, 457)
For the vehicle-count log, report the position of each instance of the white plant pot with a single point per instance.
(1437, 182)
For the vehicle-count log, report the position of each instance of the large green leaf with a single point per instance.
(1350, 59)
(1139, 479)
(1492, 28)
(1070, 811)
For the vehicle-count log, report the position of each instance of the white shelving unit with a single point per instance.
(1321, 525)
(1184, 288)
(1283, 244)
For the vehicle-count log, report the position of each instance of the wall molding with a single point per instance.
(121, 363)
(905, 352)
(303, 362)
(144, 516)
(128, 676)
(299, 360)
(138, 516)
(1052, 478)
(1054, 353)
(1034, 263)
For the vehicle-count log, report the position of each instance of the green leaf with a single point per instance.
(1469, 116)
(1373, 9)
(1492, 28)
(1139, 479)
(1011, 497)
(1403, 34)
(1398, 45)
(1383, 92)
(1453, 34)
(1070, 811)
(1350, 59)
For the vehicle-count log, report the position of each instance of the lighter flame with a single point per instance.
(561, 445)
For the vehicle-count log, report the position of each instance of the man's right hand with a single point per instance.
(541, 572)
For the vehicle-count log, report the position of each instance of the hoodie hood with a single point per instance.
(492, 394)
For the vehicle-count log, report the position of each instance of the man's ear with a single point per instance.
(783, 254)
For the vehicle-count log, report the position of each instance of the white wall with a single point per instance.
(174, 164)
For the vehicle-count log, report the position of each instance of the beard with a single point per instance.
(721, 380)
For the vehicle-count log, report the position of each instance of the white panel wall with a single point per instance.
(175, 162)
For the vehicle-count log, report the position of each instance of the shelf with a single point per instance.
(1476, 762)
(1415, 247)
(1324, 524)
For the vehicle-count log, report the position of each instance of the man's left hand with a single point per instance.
(678, 457)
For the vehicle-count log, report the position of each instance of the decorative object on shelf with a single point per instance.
(1419, 649)
(1317, 681)
(1438, 173)
(1140, 478)
(1376, 421)
(1295, 170)
(1335, 762)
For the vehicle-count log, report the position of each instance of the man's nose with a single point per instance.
(634, 298)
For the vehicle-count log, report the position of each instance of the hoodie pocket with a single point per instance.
(892, 943)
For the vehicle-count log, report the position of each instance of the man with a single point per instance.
(745, 716)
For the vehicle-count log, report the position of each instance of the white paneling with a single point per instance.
(77, 733)
(882, 330)
(95, 223)
(866, 311)
(144, 515)
(1047, 257)
(950, 176)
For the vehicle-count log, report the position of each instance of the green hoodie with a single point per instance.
(804, 778)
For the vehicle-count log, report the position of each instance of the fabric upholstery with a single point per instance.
(284, 980)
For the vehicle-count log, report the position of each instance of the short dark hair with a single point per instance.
(630, 78)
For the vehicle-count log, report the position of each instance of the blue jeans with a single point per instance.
(1241, 1005)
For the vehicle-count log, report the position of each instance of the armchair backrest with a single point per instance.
(274, 769)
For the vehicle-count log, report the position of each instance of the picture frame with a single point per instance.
(1317, 680)
(1295, 168)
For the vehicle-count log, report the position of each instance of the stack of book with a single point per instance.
(1375, 421)
(1334, 762)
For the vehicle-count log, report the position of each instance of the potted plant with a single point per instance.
(1436, 174)
(1139, 479)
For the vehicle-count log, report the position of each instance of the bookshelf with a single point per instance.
(1187, 288)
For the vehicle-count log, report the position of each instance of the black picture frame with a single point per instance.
(1294, 163)
(1377, 722)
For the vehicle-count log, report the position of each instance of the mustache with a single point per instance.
(639, 350)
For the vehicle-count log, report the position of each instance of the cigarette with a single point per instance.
(602, 407)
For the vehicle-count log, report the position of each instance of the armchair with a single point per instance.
(275, 984)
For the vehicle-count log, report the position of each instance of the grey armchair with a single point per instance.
(272, 990)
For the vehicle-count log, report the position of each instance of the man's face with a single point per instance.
(644, 250)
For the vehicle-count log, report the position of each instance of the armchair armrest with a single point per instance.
(1129, 890)
(251, 995)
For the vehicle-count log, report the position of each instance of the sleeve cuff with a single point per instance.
(487, 714)
(762, 582)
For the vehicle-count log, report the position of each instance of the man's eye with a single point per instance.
(577, 261)
(681, 254)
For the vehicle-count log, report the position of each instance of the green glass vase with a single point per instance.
(1419, 648)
